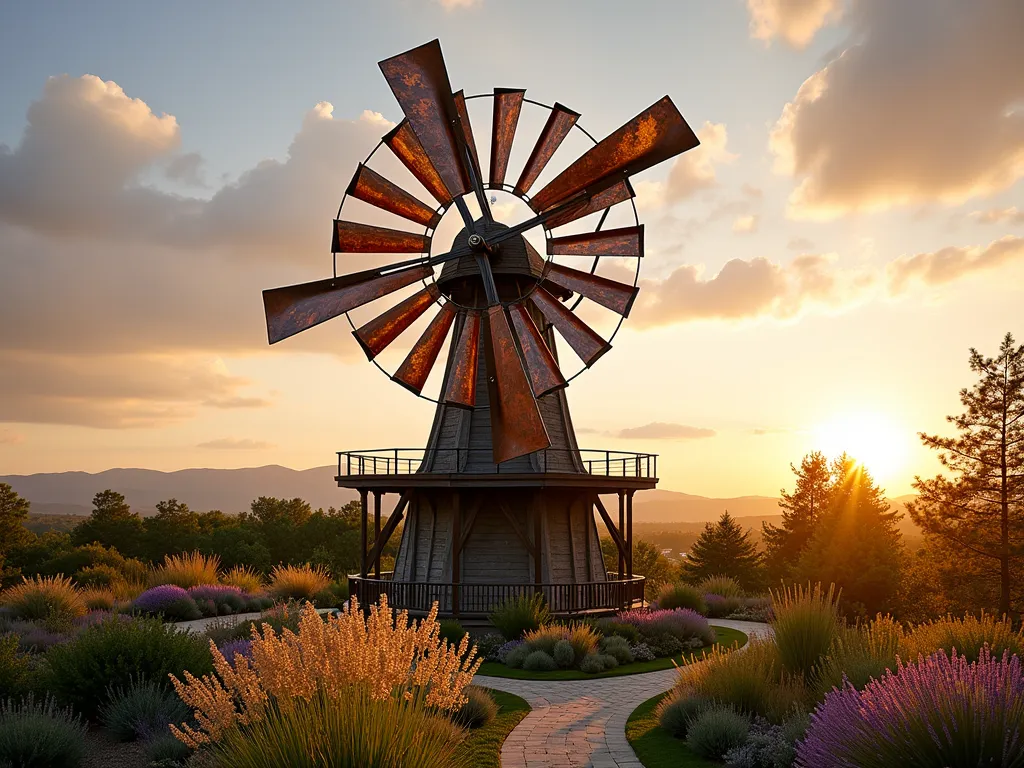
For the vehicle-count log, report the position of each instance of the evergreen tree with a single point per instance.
(13, 534)
(112, 524)
(801, 509)
(979, 511)
(724, 549)
(856, 544)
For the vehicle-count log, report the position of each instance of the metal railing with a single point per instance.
(462, 599)
(411, 461)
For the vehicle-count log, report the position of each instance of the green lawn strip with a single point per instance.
(726, 639)
(656, 748)
(482, 747)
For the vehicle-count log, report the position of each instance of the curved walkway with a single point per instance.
(583, 722)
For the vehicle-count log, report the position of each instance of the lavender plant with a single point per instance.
(168, 600)
(681, 623)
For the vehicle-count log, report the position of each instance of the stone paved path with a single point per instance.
(581, 723)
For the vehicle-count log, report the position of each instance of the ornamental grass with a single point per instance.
(806, 625)
(725, 586)
(860, 654)
(681, 596)
(581, 637)
(298, 582)
(385, 653)
(44, 597)
(968, 636)
(98, 599)
(938, 711)
(245, 578)
(186, 570)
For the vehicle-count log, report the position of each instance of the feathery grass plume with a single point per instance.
(383, 652)
(806, 624)
(681, 595)
(350, 728)
(44, 597)
(98, 599)
(127, 591)
(724, 586)
(520, 614)
(967, 635)
(859, 654)
(939, 710)
(36, 734)
(298, 582)
(186, 570)
(245, 578)
(745, 680)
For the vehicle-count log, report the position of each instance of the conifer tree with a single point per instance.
(112, 524)
(724, 549)
(801, 509)
(13, 513)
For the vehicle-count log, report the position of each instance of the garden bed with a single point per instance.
(656, 747)
(482, 747)
(726, 638)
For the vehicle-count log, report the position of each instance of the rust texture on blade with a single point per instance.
(580, 336)
(414, 370)
(352, 237)
(407, 148)
(377, 334)
(540, 364)
(507, 105)
(467, 128)
(612, 294)
(655, 135)
(460, 388)
(370, 187)
(623, 190)
(295, 308)
(627, 241)
(516, 424)
(560, 122)
(419, 80)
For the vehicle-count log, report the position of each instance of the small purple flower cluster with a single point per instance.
(235, 647)
(168, 600)
(941, 709)
(217, 592)
(682, 623)
(505, 649)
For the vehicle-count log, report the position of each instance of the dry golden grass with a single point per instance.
(186, 570)
(127, 591)
(243, 577)
(43, 597)
(298, 582)
(968, 635)
(99, 599)
(383, 652)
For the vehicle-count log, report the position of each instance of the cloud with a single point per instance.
(761, 431)
(799, 244)
(187, 168)
(999, 216)
(451, 5)
(952, 263)
(795, 21)
(926, 103)
(745, 224)
(659, 430)
(691, 172)
(10, 437)
(236, 444)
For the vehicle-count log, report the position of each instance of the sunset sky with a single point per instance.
(815, 272)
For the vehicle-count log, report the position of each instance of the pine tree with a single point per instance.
(801, 509)
(13, 513)
(112, 524)
(724, 549)
(979, 511)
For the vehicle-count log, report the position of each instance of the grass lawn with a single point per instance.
(657, 748)
(482, 747)
(726, 639)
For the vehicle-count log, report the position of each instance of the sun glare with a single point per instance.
(869, 437)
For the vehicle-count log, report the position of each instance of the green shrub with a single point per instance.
(538, 661)
(723, 586)
(478, 710)
(14, 667)
(563, 654)
(141, 710)
(521, 614)
(118, 651)
(682, 596)
(592, 664)
(620, 628)
(349, 730)
(968, 635)
(608, 661)
(665, 645)
(617, 648)
(517, 656)
(716, 730)
(452, 631)
(806, 625)
(675, 712)
(166, 750)
(39, 735)
(333, 595)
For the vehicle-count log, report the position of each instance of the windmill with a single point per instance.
(502, 499)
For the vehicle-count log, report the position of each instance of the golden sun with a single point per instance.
(870, 438)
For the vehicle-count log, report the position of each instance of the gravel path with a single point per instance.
(583, 722)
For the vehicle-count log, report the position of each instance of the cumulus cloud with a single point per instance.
(660, 430)
(186, 168)
(925, 103)
(691, 172)
(999, 216)
(744, 225)
(952, 263)
(236, 444)
(795, 21)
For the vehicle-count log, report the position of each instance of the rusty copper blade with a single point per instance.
(627, 241)
(414, 370)
(540, 364)
(295, 308)
(580, 336)
(370, 187)
(655, 135)
(460, 389)
(612, 294)
(623, 190)
(419, 80)
(508, 103)
(560, 122)
(377, 334)
(352, 237)
(467, 129)
(407, 148)
(516, 424)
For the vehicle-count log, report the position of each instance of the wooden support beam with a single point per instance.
(376, 533)
(622, 528)
(515, 526)
(470, 520)
(457, 552)
(381, 540)
(538, 573)
(362, 533)
(629, 534)
(619, 544)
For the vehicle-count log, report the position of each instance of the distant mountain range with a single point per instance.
(232, 490)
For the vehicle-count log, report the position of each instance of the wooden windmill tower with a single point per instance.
(502, 500)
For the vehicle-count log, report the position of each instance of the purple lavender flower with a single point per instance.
(233, 647)
(682, 623)
(506, 648)
(942, 709)
(219, 593)
(33, 638)
(169, 600)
